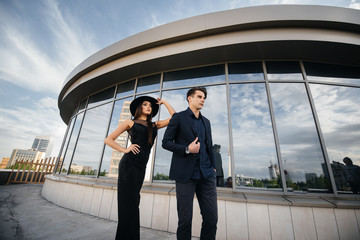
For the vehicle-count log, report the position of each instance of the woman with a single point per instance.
(132, 165)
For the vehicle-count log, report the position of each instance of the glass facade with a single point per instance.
(301, 153)
(255, 159)
(111, 158)
(282, 126)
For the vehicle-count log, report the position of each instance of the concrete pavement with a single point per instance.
(25, 214)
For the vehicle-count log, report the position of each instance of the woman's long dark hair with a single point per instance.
(138, 113)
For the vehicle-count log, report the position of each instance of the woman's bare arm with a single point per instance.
(164, 123)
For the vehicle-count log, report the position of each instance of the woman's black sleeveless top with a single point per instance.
(139, 135)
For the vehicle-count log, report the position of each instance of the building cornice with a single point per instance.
(203, 26)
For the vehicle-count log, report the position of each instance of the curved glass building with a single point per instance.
(283, 99)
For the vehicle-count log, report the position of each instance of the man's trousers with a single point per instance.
(205, 190)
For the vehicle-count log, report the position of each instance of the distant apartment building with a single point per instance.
(41, 148)
(79, 168)
(23, 154)
(121, 140)
(5, 162)
(43, 144)
(274, 171)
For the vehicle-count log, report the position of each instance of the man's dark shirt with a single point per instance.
(202, 163)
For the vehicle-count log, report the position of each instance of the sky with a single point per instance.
(42, 41)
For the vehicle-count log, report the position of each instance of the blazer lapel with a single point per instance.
(207, 128)
(190, 134)
(193, 133)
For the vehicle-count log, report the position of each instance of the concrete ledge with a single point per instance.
(306, 202)
(241, 215)
(225, 195)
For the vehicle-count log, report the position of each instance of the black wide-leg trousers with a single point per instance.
(130, 181)
(205, 190)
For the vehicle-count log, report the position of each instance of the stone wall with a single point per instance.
(249, 217)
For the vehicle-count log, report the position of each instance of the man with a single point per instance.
(351, 174)
(188, 136)
(218, 166)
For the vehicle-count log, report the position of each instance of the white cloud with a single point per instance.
(47, 103)
(355, 4)
(338, 113)
(24, 64)
(27, 62)
(72, 44)
(20, 125)
(155, 21)
(39, 48)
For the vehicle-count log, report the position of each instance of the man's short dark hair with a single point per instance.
(192, 91)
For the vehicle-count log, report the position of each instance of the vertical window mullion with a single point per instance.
(68, 131)
(319, 132)
(152, 164)
(231, 144)
(276, 137)
(106, 133)
(77, 139)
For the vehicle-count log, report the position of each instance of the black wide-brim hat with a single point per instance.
(137, 101)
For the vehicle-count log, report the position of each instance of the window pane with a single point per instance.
(91, 141)
(245, 71)
(256, 163)
(125, 89)
(101, 97)
(338, 110)
(332, 73)
(71, 124)
(149, 83)
(177, 99)
(111, 158)
(215, 109)
(195, 76)
(154, 95)
(283, 71)
(70, 150)
(303, 160)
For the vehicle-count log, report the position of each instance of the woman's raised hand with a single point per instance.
(160, 101)
(133, 148)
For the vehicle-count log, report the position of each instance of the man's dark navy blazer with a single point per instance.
(178, 135)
